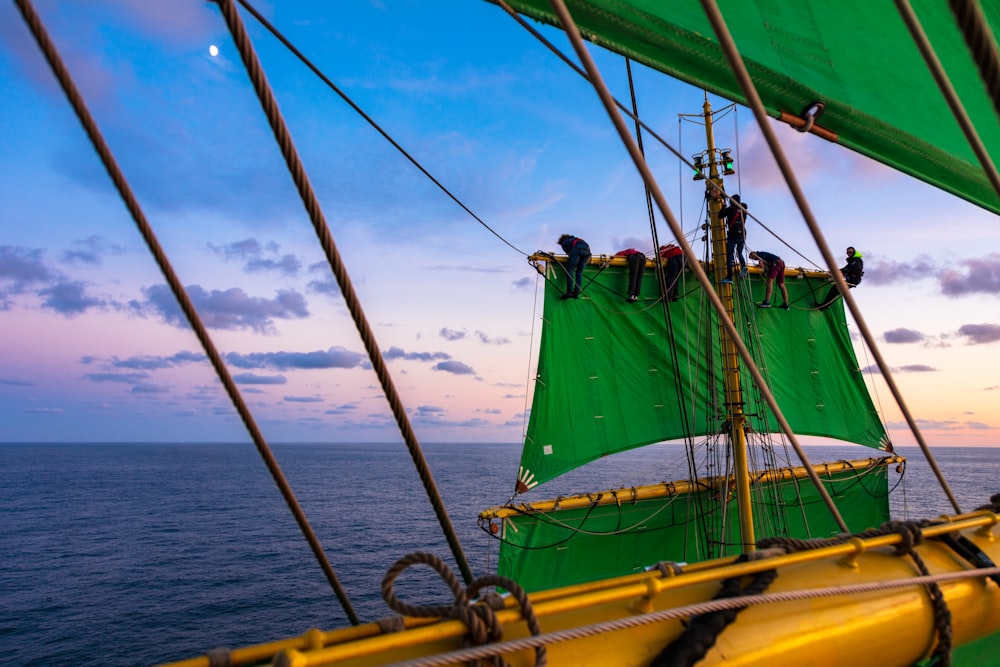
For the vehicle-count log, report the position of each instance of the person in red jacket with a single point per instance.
(636, 266)
(774, 269)
(675, 264)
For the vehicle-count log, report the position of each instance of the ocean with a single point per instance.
(137, 554)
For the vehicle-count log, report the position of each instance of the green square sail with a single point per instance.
(855, 56)
(613, 375)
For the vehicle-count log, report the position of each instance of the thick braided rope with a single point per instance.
(911, 535)
(580, 632)
(704, 629)
(128, 197)
(976, 31)
(295, 167)
(480, 619)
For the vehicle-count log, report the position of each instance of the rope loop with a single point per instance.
(810, 114)
(993, 505)
(480, 619)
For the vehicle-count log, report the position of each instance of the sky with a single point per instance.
(93, 348)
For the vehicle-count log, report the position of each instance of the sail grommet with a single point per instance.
(810, 114)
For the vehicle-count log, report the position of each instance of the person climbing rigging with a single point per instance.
(579, 255)
(734, 216)
(675, 264)
(773, 268)
(636, 267)
(852, 272)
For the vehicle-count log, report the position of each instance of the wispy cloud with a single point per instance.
(499, 340)
(69, 298)
(451, 334)
(253, 378)
(903, 335)
(394, 353)
(973, 276)
(303, 399)
(91, 251)
(977, 334)
(910, 368)
(456, 367)
(260, 258)
(230, 309)
(334, 357)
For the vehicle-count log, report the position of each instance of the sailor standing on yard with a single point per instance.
(579, 255)
(736, 234)
(774, 268)
(852, 272)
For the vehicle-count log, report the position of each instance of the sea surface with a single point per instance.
(136, 554)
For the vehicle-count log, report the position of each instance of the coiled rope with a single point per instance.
(480, 619)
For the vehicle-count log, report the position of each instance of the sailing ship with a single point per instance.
(750, 558)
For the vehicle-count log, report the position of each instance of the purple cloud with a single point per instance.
(887, 272)
(303, 399)
(91, 250)
(903, 335)
(335, 357)
(21, 267)
(253, 378)
(451, 334)
(230, 309)
(977, 334)
(456, 367)
(979, 275)
(492, 341)
(394, 353)
(69, 298)
(259, 258)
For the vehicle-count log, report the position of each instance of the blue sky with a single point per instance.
(93, 348)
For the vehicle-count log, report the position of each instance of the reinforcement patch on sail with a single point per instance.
(855, 56)
(542, 550)
(613, 375)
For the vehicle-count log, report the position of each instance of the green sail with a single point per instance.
(613, 375)
(809, 50)
(554, 547)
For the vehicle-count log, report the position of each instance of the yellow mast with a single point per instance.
(730, 358)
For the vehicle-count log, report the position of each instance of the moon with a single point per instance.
(213, 50)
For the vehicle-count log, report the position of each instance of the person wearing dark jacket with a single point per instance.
(675, 264)
(734, 216)
(852, 272)
(579, 255)
(636, 266)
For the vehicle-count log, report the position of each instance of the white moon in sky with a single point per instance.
(213, 50)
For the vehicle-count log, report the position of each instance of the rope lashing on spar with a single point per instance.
(479, 618)
(704, 629)
(912, 535)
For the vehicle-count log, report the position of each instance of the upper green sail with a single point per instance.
(613, 375)
(856, 56)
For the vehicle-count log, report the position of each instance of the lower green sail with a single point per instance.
(626, 531)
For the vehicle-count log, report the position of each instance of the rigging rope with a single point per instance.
(128, 197)
(985, 58)
(480, 619)
(311, 203)
(739, 69)
(308, 63)
(977, 36)
(596, 629)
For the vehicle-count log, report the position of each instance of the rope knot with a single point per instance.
(480, 619)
